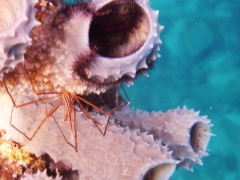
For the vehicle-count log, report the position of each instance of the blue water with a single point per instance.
(199, 68)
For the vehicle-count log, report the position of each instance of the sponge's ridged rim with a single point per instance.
(15, 38)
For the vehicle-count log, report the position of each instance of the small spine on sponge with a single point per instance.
(183, 131)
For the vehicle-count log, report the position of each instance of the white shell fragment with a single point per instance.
(16, 22)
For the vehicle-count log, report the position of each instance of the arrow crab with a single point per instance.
(80, 55)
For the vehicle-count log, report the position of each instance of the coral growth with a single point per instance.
(15, 163)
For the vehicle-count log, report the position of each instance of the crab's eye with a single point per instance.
(120, 32)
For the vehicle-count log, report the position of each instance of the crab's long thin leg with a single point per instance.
(32, 102)
(24, 104)
(114, 110)
(87, 114)
(78, 99)
(75, 134)
(75, 131)
(121, 106)
(56, 106)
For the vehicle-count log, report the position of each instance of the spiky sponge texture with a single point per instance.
(16, 22)
(149, 139)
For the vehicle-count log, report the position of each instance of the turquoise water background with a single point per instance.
(199, 68)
